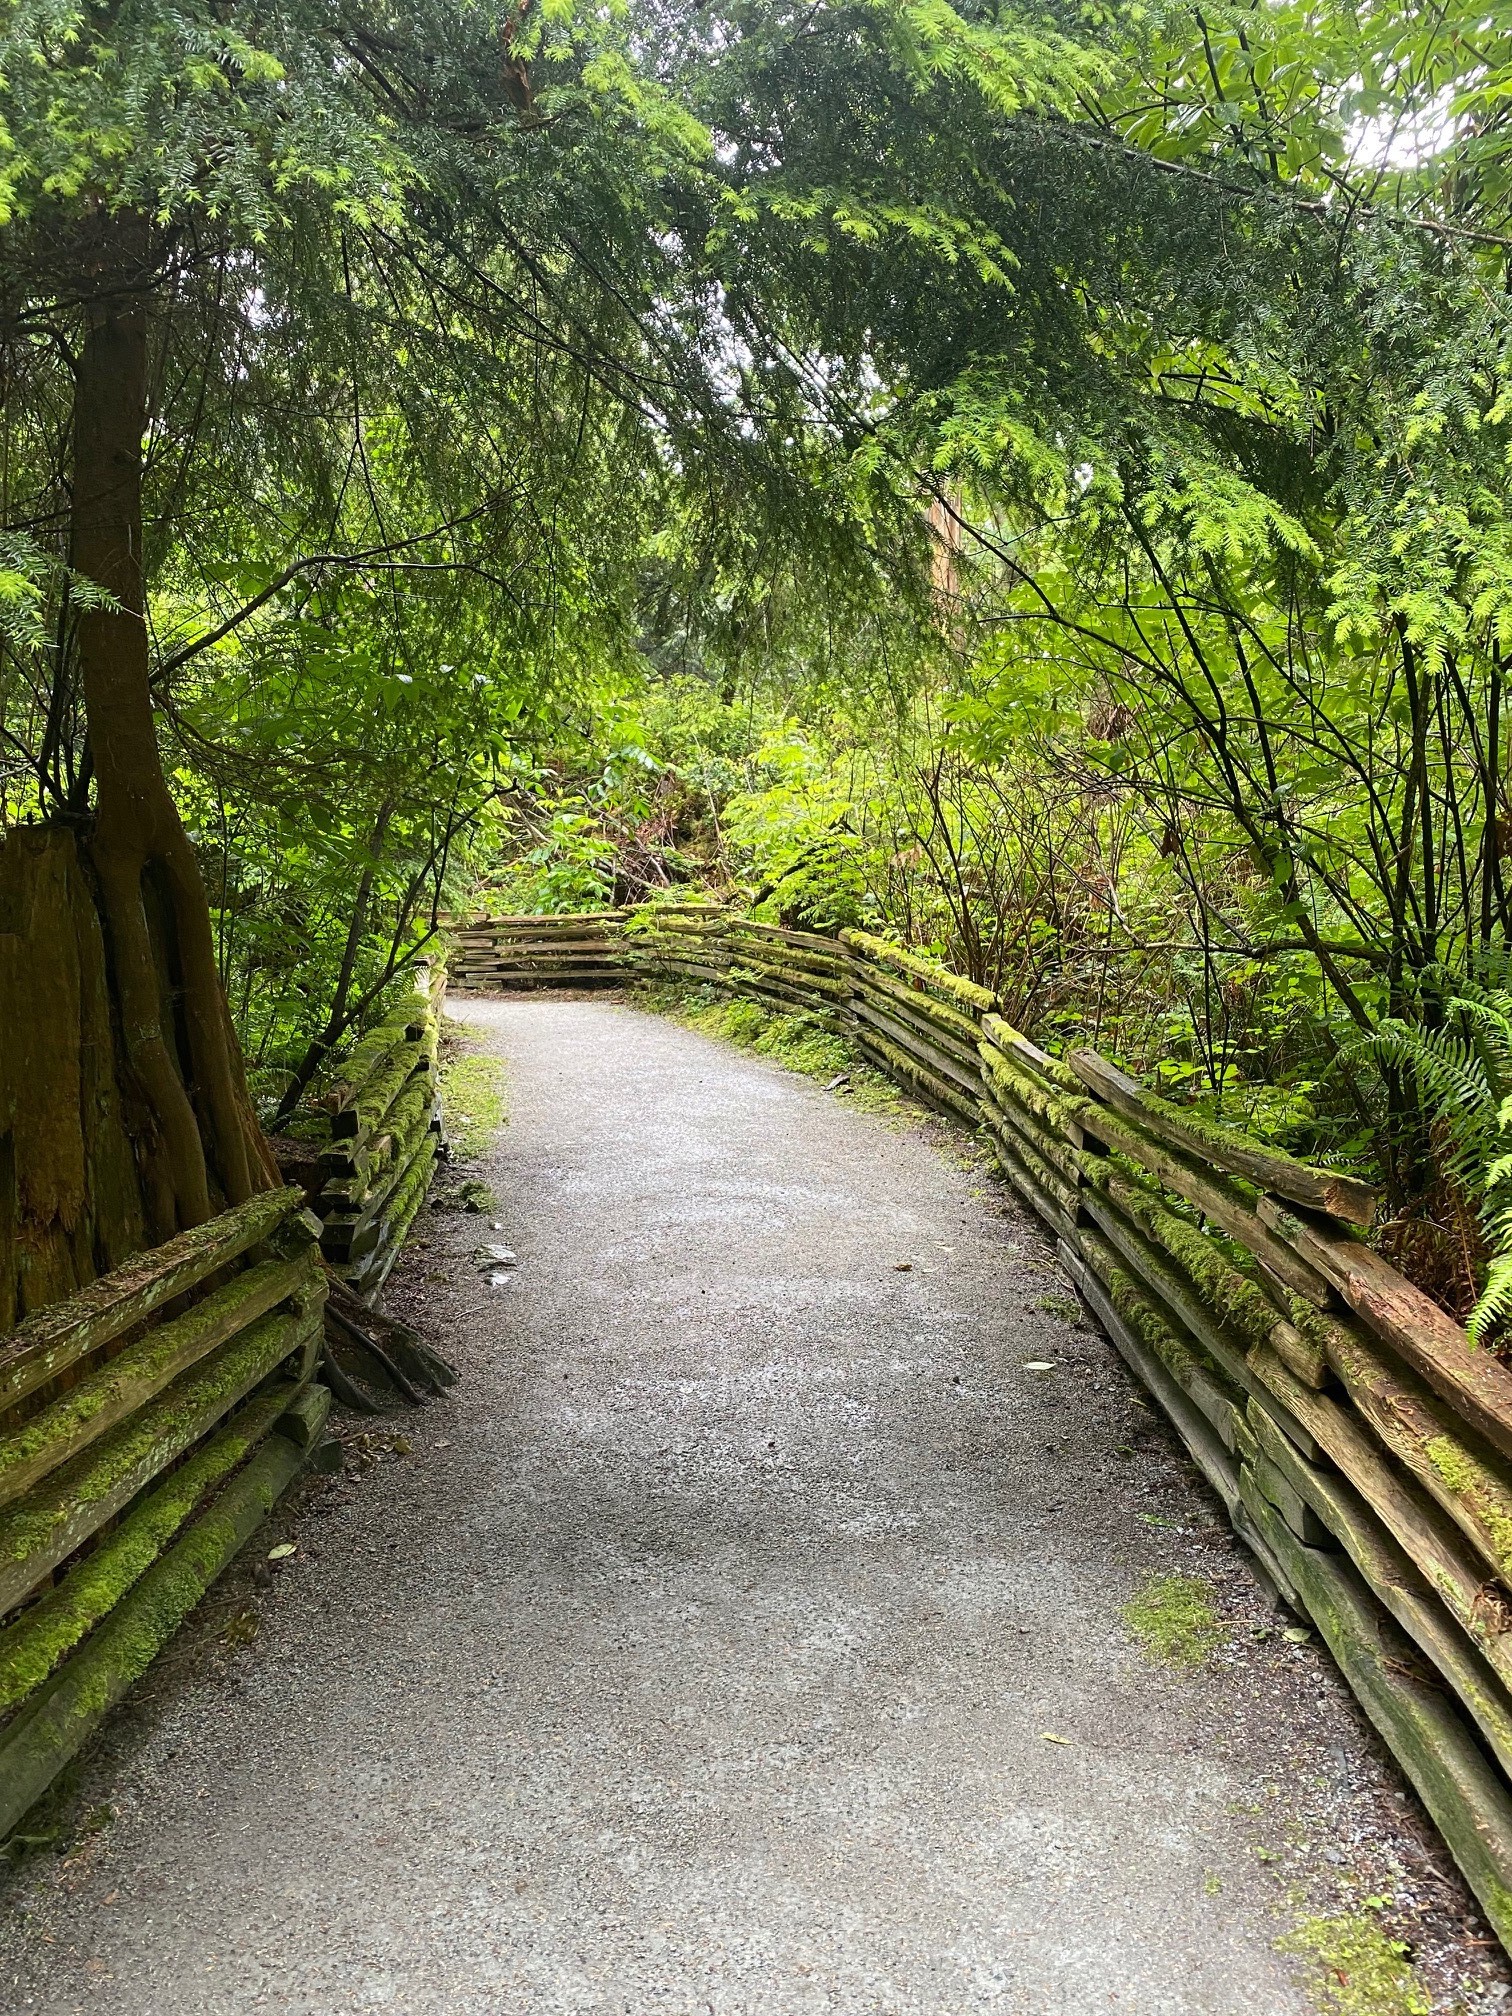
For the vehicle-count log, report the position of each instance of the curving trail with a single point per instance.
(700, 1657)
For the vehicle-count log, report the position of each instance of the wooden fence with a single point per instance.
(383, 1135)
(1361, 1445)
(147, 1424)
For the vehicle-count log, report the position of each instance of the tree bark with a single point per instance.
(199, 1146)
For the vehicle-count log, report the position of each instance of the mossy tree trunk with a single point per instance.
(176, 1088)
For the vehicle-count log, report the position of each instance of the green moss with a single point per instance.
(800, 1042)
(113, 1468)
(1179, 1356)
(1056, 1113)
(143, 1367)
(1467, 1480)
(472, 1099)
(120, 1651)
(1358, 1970)
(930, 971)
(1173, 1618)
(32, 1646)
(1452, 1464)
(1232, 1293)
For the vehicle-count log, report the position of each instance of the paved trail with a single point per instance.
(700, 1658)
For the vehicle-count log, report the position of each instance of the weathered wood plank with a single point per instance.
(1220, 1400)
(796, 977)
(1214, 1194)
(1172, 1287)
(1048, 1180)
(58, 1336)
(1224, 1146)
(1202, 1441)
(1235, 1296)
(789, 950)
(1007, 1152)
(1053, 1111)
(1474, 1383)
(126, 1382)
(57, 1515)
(898, 1007)
(1439, 1551)
(897, 1063)
(1000, 1093)
(1429, 1440)
(956, 1023)
(51, 1729)
(47, 1630)
(1029, 1058)
(1470, 1805)
(815, 941)
(1396, 1582)
(908, 1039)
(965, 993)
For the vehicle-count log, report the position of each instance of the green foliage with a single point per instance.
(1461, 1065)
(1032, 480)
(799, 1041)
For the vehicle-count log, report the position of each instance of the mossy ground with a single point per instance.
(472, 1095)
(800, 1042)
(1173, 1618)
(1357, 1969)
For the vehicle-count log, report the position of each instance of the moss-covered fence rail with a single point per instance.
(147, 1424)
(382, 1136)
(1361, 1445)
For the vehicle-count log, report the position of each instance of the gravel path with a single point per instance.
(702, 1654)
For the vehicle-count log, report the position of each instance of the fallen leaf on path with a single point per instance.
(1046, 1736)
(282, 1551)
(1296, 1634)
(1039, 1365)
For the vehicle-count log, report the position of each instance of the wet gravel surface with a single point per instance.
(703, 1650)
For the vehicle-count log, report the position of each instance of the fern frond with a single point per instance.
(1487, 1025)
(1454, 1084)
(1494, 1302)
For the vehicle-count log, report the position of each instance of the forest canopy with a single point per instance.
(1029, 479)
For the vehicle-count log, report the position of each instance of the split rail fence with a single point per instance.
(383, 1133)
(1361, 1445)
(147, 1425)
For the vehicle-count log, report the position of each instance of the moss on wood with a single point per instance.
(55, 1516)
(58, 1336)
(964, 992)
(1469, 1802)
(127, 1381)
(58, 1720)
(45, 1633)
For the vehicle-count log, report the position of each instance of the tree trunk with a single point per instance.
(198, 1144)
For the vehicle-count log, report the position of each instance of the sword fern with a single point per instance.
(1463, 1072)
